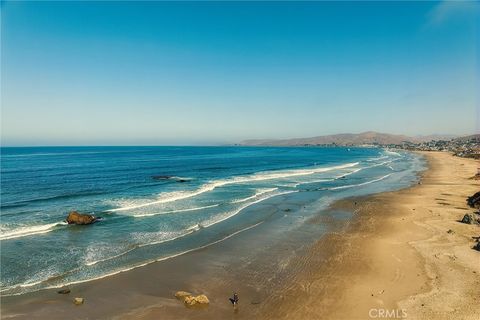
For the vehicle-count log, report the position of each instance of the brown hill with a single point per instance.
(346, 139)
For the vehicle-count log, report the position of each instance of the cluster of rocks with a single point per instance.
(191, 300)
(76, 301)
(477, 243)
(474, 202)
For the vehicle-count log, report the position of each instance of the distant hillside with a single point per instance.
(475, 137)
(347, 139)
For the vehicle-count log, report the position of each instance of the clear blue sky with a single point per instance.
(88, 73)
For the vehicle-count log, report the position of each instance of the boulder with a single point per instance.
(78, 301)
(474, 201)
(196, 300)
(64, 291)
(171, 178)
(161, 177)
(75, 217)
(477, 246)
(202, 299)
(189, 300)
(182, 294)
(468, 219)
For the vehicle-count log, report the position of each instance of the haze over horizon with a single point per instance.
(156, 73)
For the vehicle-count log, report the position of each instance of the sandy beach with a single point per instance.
(398, 255)
(396, 258)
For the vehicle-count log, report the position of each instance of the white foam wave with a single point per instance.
(360, 184)
(159, 259)
(191, 229)
(174, 211)
(228, 215)
(31, 284)
(195, 227)
(43, 274)
(349, 173)
(376, 159)
(180, 195)
(94, 262)
(132, 267)
(380, 164)
(393, 153)
(259, 193)
(30, 230)
(176, 236)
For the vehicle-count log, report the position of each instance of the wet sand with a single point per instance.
(395, 254)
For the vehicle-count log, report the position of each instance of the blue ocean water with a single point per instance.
(159, 202)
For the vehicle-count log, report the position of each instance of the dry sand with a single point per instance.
(397, 258)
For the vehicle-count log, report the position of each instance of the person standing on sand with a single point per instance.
(234, 300)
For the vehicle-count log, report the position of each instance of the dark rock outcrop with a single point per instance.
(171, 178)
(468, 219)
(474, 201)
(64, 291)
(477, 246)
(161, 177)
(75, 217)
(477, 243)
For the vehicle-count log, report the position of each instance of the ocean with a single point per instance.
(157, 203)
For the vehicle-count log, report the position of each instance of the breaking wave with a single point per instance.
(180, 195)
(30, 230)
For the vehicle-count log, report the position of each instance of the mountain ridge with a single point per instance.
(347, 139)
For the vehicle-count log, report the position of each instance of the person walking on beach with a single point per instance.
(234, 300)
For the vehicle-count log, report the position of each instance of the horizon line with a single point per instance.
(224, 144)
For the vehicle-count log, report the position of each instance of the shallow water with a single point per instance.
(160, 202)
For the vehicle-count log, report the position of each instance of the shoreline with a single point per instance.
(336, 277)
(398, 255)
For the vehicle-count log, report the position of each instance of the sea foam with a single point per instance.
(180, 195)
(29, 230)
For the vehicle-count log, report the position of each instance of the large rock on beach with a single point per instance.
(474, 201)
(182, 294)
(75, 217)
(64, 291)
(200, 300)
(191, 300)
(477, 246)
(468, 219)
